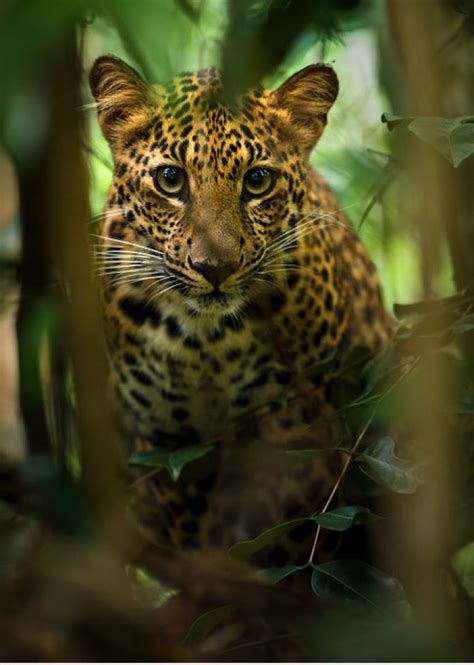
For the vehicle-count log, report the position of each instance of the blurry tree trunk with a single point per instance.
(457, 53)
(100, 456)
(424, 536)
(458, 100)
(55, 215)
(35, 281)
(412, 27)
(443, 85)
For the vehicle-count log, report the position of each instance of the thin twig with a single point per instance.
(386, 181)
(146, 476)
(352, 455)
(339, 480)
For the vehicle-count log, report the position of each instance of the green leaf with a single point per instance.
(203, 625)
(246, 548)
(451, 137)
(356, 583)
(462, 139)
(361, 483)
(344, 517)
(393, 121)
(464, 324)
(367, 399)
(463, 564)
(337, 520)
(378, 369)
(173, 461)
(462, 299)
(381, 464)
(275, 575)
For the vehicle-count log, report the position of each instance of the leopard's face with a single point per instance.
(213, 199)
(212, 193)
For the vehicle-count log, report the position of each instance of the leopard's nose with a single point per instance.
(215, 273)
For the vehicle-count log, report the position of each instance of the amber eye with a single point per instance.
(170, 180)
(258, 181)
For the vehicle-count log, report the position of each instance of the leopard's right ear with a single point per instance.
(122, 97)
(306, 99)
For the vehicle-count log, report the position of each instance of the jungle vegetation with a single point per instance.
(77, 582)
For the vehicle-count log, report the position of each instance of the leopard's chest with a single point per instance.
(187, 382)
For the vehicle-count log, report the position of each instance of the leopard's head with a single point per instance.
(214, 190)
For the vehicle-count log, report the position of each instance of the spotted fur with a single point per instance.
(194, 357)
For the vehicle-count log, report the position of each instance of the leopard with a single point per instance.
(232, 285)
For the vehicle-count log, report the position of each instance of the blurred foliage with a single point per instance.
(451, 137)
(261, 34)
(172, 461)
(463, 564)
(43, 511)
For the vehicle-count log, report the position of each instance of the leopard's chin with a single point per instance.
(216, 303)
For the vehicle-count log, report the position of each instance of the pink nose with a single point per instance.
(215, 273)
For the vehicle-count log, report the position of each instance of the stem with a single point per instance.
(352, 454)
(146, 476)
(339, 480)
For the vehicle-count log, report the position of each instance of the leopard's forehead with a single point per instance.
(194, 98)
(196, 85)
(202, 91)
(195, 125)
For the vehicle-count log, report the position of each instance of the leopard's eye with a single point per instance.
(170, 180)
(258, 181)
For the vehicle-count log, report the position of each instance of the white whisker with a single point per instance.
(173, 285)
(143, 248)
(157, 279)
(311, 219)
(111, 272)
(129, 280)
(112, 277)
(106, 214)
(117, 254)
(87, 106)
(128, 262)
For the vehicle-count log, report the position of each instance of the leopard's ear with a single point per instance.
(121, 94)
(305, 99)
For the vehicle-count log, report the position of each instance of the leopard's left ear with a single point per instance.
(121, 94)
(307, 97)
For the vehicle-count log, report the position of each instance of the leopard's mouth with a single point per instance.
(218, 300)
(215, 302)
(217, 296)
